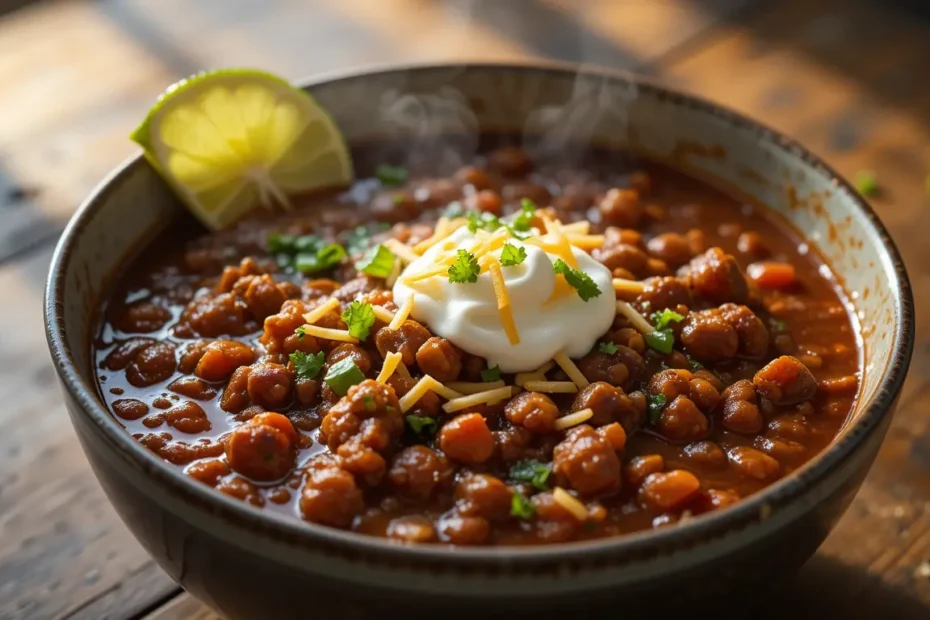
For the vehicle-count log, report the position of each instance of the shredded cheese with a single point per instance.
(571, 370)
(402, 250)
(402, 368)
(550, 387)
(424, 385)
(444, 228)
(383, 314)
(577, 228)
(634, 317)
(628, 286)
(442, 390)
(537, 375)
(586, 242)
(489, 397)
(570, 503)
(503, 301)
(573, 419)
(395, 273)
(320, 311)
(391, 361)
(330, 334)
(561, 290)
(402, 313)
(466, 387)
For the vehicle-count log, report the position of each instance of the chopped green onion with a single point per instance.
(662, 319)
(324, 258)
(512, 255)
(521, 507)
(531, 471)
(377, 262)
(866, 183)
(464, 269)
(342, 375)
(482, 220)
(359, 318)
(307, 365)
(523, 222)
(656, 405)
(391, 176)
(661, 340)
(491, 374)
(578, 280)
(278, 243)
(422, 425)
(607, 347)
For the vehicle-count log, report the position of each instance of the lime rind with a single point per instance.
(234, 136)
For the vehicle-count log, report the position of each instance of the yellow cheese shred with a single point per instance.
(586, 242)
(571, 370)
(573, 419)
(329, 334)
(391, 361)
(402, 250)
(402, 313)
(320, 311)
(537, 375)
(634, 317)
(570, 503)
(383, 314)
(561, 290)
(503, 301)
(424, 385)
(488, 397)
(466, 387)
(622, 285)
(577, 228)
(550, 387)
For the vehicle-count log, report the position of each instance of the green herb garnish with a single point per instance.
(512, 255)
(491, 374)
(280, 244)
(342, 375)
(523, 221)
(866, 183)
(359, 318)
(482, 220)
(521, 507)
(694, 365)
(422, 425)
(656, 405)
(391, 176)
(662, 319)
(306, 253)
(369, 403)
(578, 280)
(661, 340)
(531, 471)
(324, 258)
(359, 239)
(307, 365)
(464, 269)
(377, 262)
(607, 347)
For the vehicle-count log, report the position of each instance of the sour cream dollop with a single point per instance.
(466, 314)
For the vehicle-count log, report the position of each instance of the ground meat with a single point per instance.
(785, 381)
(269, 385)
(628, 337)
(663, 292)
(357, 354)
(406, 340)
(587, 462)
(779, 449)
(532, 410)
(510, 444)
(440, 359)
(640, 467)
(706, 454)
(483, 495)
(192, 387)
(467, 439)
(235, 396)
(428, 404)
(179, 452)
(331, 497)
(241, 489)
(411, 529)
(621, 207)
(553, 522)
(129, 408)
(459, 530)
(307, 391)
(221, 357)
(752, 244)
(623, 368)
(263, 448)
(125, 352)
(717, 277)
(673, 383)
(671, 490)
(623, 256)
(191, 355)
(740, 412)
(673, 248)
(510, 161)
(712, 499)
(279, 327)
(751, 331)
(143, 317)
(152, 364)
(609, 404)
(232, 274)
(789, 426)
(753, 463)
(418, 473)
(262, 295)
(516, 191)
(707, 336)
(188, 417)
(213, 315)
(208, 472)
(681, 420)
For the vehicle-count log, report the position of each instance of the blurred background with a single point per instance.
(848, 78)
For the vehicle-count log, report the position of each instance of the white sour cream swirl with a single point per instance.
(467, 315)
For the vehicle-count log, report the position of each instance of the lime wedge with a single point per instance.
(230, 140)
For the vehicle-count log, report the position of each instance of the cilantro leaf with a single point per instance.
(656, 405)
(278, 243)
(661, 340)
(422, 425)
(523, 222)
(579, 280)
(607, 347)
(301, 332)
(377, 262)
(308, 365)
(342, 375)
(391, 176)
(521, 507)
(482, 220)
(359, 318)
(662, 319)
(531, 471)
(464, 269)
(512, 255)
(324, 258)
(491, 374)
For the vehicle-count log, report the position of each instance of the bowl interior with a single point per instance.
(556, 110)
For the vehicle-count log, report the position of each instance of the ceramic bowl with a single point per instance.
(246, 563)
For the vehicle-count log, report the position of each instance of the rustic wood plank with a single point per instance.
(61, 543)
(182, 607)
(133, 596)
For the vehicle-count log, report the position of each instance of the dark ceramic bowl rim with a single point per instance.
(610, 550)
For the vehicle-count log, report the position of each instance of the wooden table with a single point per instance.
(846, 78)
